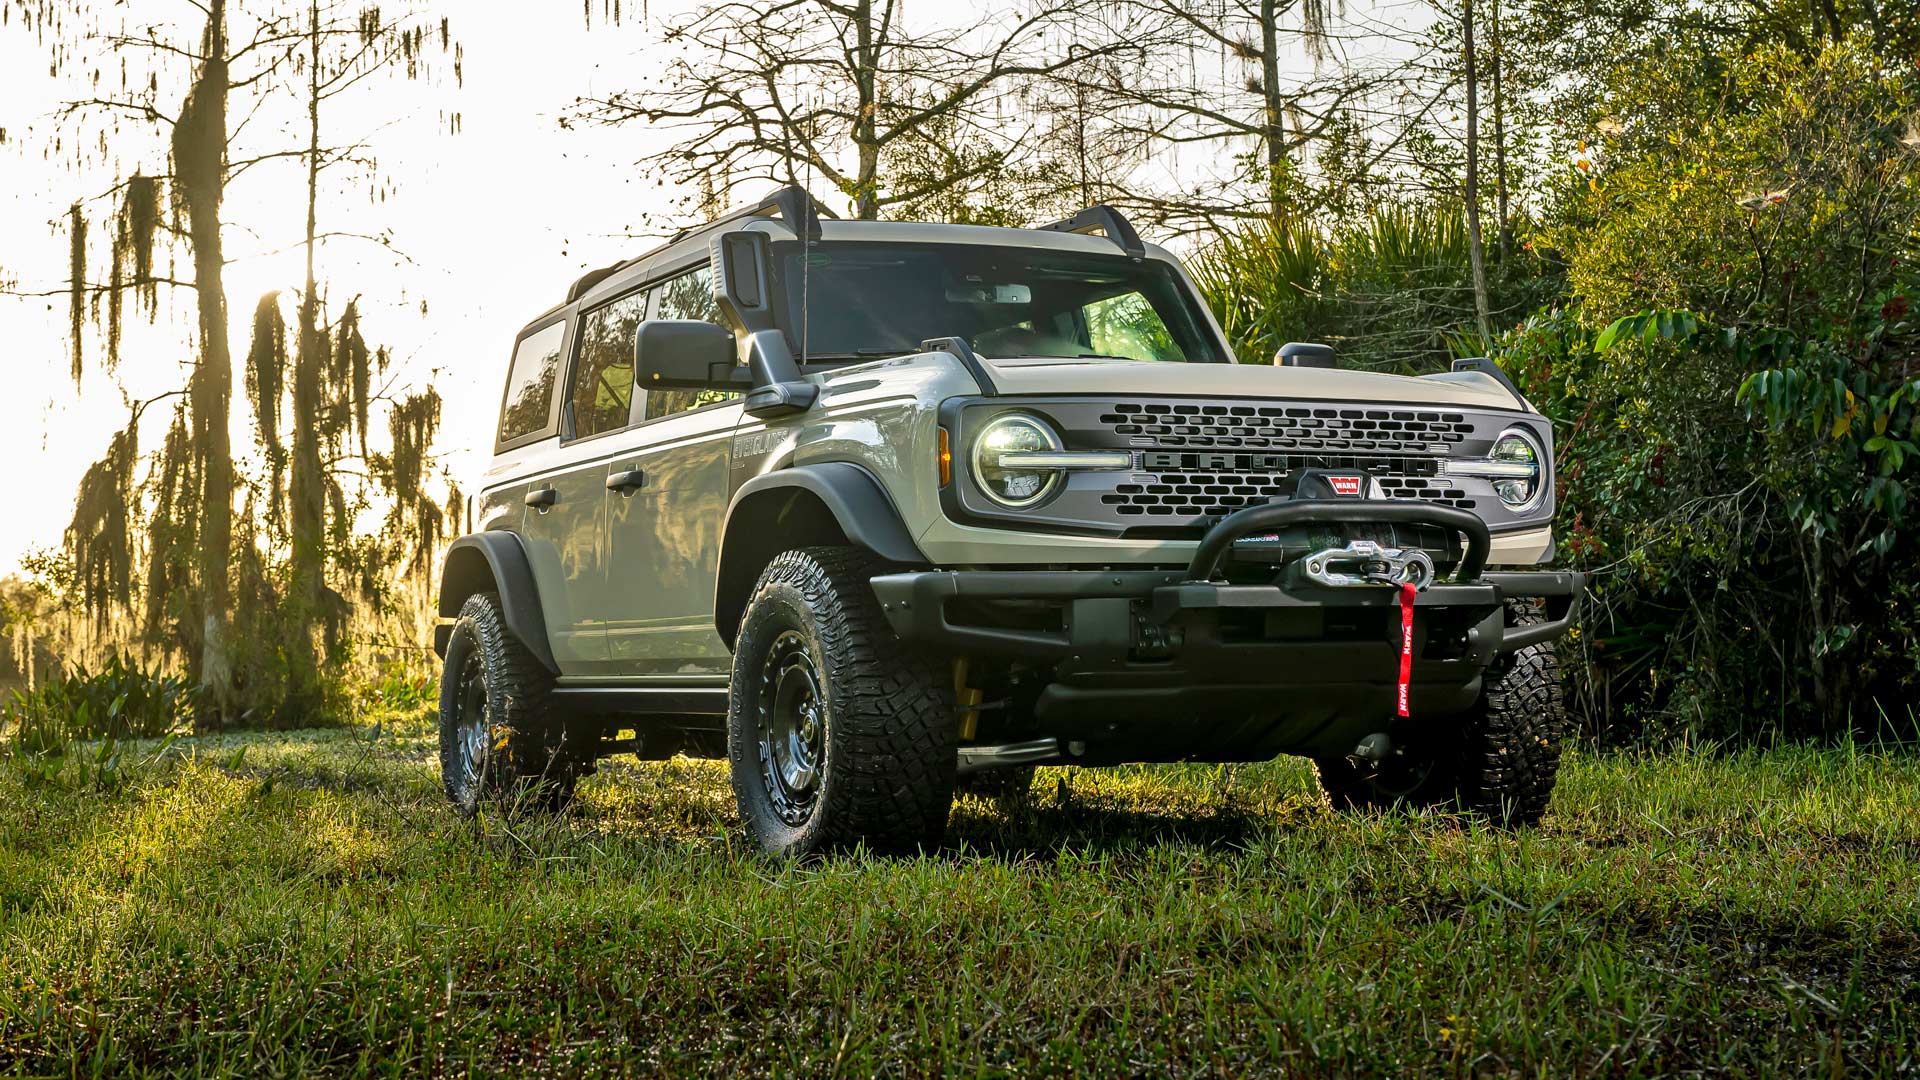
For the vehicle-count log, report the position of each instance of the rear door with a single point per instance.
(566, 522)
(666, 528)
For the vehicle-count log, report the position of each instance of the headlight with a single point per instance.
(1519, 484)
(1014, 485)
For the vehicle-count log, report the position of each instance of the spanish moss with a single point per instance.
(266, 369)
(77, 276)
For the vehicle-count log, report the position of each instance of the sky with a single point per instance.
(488, 227)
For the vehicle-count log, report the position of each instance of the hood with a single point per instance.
(1108, 376)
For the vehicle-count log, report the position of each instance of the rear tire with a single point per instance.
(499, 739)
(837, 733)
(1501, 761)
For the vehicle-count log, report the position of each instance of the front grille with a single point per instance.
(1401, 448)
(1195, 461)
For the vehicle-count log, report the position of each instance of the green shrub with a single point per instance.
(1733, 395)
(1385, 290)
(120, 701)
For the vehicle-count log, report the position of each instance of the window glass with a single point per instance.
(881, 299)
(1126, 325)
(536, 364)
(689, 296)
(603, 365)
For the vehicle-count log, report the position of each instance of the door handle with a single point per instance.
(626, 481)
(542, 498)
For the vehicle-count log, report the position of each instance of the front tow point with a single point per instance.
(1372, 750)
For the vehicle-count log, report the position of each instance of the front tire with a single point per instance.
(837, 733)
(498, 737)
(1501, 760)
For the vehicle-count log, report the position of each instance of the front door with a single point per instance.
(665, 522)
(665, 549)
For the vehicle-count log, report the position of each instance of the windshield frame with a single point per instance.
(1190, 311)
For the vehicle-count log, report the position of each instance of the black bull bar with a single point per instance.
(1116, 613)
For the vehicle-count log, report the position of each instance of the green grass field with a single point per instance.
(302, 902)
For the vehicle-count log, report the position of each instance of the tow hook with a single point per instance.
(1363, 562)
(1372, 750)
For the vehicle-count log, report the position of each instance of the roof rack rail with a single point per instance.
(591, 278)
(1103, 221)
(790, 204)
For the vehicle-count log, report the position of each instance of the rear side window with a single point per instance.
(536, 365)
(603, 365)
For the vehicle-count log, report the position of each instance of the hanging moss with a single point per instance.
(173, 488)
(100, 535)
(77, 275)
(116, 290)
(141, 215)
(266, 375)
(349, 373)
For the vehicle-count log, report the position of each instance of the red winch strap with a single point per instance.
(1407, 592)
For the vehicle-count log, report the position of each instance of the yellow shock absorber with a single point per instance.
(967, 698)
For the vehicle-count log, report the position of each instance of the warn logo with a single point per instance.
(1345, 485)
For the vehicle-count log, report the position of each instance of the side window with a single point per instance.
(603, 365)
(1126, 325)
(689, 296)
(536, 365)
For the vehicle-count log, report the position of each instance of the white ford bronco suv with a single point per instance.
(883, 510)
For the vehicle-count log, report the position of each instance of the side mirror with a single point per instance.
(682, 354)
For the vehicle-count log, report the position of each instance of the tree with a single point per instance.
(201, 166)
(1470, 193)
(821, 87)
(193, 552)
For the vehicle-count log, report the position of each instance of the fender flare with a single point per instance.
(499, 559)
(854, 497)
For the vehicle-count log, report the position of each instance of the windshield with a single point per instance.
(876, 299)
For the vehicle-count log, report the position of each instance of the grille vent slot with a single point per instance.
(1286, 427)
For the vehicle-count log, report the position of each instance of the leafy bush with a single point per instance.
(1733, 396)
(120, 701)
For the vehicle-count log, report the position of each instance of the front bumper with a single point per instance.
(1157, 645)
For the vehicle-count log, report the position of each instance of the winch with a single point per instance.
(1365, 562)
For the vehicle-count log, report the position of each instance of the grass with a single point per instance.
(302, 902)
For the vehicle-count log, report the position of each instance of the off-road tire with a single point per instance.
(885, 713)
(1503, 756)
(526, 762)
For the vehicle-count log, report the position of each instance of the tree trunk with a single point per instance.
(308, 495)
(1275, 132)
(1503, 221)
(1476, 254)
(200, 147)
(866, 139)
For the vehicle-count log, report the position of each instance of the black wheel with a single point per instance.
(1500, 760)
(497, 738)
(837, 733)
(1010, 785)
